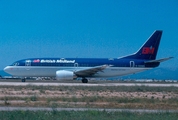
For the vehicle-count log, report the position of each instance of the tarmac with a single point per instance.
(78, 83)
(85, 109)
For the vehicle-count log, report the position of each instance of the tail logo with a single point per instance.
(148, 50)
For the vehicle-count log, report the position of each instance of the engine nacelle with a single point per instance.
(64, 75)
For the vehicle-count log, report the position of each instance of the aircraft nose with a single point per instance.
(7, 69)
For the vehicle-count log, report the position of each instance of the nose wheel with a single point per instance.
(23, 80)
(84, 80)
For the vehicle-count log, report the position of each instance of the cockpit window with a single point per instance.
(16, 64)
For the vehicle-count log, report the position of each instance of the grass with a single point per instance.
(84, 115)
(91, 99)
(93, 102)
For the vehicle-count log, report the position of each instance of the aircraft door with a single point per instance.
(28, 63)
(132, 64)
(76, 65)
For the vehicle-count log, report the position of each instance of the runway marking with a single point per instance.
(88, 84)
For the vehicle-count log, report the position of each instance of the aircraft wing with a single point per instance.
(90, 71)
(160, 60)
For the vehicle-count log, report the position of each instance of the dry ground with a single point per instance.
(141, 97)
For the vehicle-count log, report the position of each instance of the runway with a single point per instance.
(85, 109)
(87, 84)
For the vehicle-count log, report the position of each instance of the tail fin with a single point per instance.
(149, 49)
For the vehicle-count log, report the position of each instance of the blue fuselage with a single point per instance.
(47, 67)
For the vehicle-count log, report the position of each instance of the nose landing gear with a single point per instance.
(23, 80)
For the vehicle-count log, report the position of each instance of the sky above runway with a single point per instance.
(85, 28)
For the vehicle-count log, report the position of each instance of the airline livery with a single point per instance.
(71, 68)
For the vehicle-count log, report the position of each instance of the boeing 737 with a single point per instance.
(71, 68)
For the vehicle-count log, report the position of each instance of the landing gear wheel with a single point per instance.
(84, 80)
(23, 80)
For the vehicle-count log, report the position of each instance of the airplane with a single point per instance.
(72, 68)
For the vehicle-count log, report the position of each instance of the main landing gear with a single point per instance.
(84, 80)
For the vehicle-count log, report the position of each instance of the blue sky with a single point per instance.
(85, 28)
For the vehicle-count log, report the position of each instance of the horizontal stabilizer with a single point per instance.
(160, 60)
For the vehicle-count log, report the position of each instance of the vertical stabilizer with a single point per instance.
(149, 49)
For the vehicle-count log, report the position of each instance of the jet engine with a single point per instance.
(65, 75)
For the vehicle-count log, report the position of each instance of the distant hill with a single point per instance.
(156, 73)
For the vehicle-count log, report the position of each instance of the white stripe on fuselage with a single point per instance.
(43, 71)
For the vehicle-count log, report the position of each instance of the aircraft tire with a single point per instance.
(23, 80)
(84, 80)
